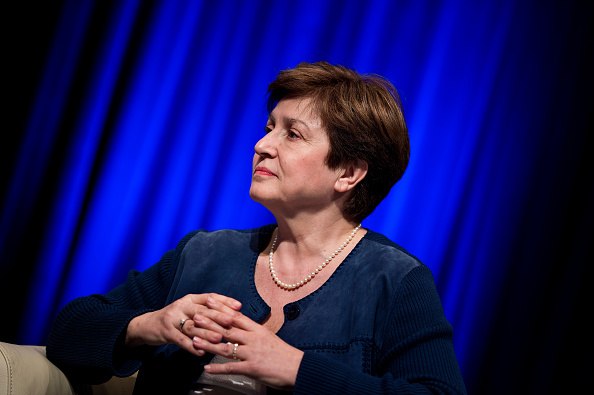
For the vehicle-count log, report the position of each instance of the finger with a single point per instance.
(230, 333)
(218, 348)
(191, 305)
(228, 350)
(180, 336)
(184, 322)
(186, 343)
(235, 352)
(238, 319)
(205, 329)
(215, 319)
(212, 321)
(202, 326)
(207, 335)
(229, 368)
(213, 303)
(225, 300)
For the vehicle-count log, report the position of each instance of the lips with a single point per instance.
(263, 171)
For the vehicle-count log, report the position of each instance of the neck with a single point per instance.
(311, 275)
(312, 237)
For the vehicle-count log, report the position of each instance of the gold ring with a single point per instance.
(181, 324)
(235, 350)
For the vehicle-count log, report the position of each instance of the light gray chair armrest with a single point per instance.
(24, 370)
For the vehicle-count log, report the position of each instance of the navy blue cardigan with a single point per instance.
(376, 326)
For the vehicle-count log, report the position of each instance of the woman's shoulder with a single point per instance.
(229, 233)
(379, 254)
(254, 238)
(383, 245)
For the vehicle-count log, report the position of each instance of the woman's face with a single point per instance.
(289, 168)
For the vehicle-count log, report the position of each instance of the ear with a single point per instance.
(351, 175)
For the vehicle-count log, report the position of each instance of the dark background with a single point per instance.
(537, 338)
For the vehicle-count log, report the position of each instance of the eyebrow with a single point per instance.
(289, 120)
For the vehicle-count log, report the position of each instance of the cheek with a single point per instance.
(314, 166)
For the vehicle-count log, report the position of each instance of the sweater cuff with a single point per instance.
(127, 360)
(320, 375)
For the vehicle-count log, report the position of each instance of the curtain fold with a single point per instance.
(142, 123)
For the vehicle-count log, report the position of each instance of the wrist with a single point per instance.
(133, 330)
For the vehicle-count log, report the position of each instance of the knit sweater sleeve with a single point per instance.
(416, 357)
(86, 340)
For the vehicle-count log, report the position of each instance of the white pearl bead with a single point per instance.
(309, 277)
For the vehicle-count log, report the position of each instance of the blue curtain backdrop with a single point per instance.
(131, 123)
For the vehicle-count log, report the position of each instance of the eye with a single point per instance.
(267, 129)
(292, 135)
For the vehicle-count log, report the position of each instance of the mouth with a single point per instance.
(263, 171)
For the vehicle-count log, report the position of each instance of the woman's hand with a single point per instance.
(163, 326)
(263, 355)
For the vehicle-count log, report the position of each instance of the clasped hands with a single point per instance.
(214, 325)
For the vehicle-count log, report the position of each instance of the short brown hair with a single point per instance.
(364, 119)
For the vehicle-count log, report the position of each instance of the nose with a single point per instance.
(265, 147)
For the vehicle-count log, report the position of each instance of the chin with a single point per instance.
(256, 197)
(262, 197)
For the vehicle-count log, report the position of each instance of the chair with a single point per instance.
(24, 370)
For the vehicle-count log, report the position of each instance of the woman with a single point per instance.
(314, 303)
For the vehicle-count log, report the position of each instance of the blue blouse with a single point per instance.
(376, 326)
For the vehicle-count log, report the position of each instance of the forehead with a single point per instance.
(297, 109)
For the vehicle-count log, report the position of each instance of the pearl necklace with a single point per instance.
(318, 269)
